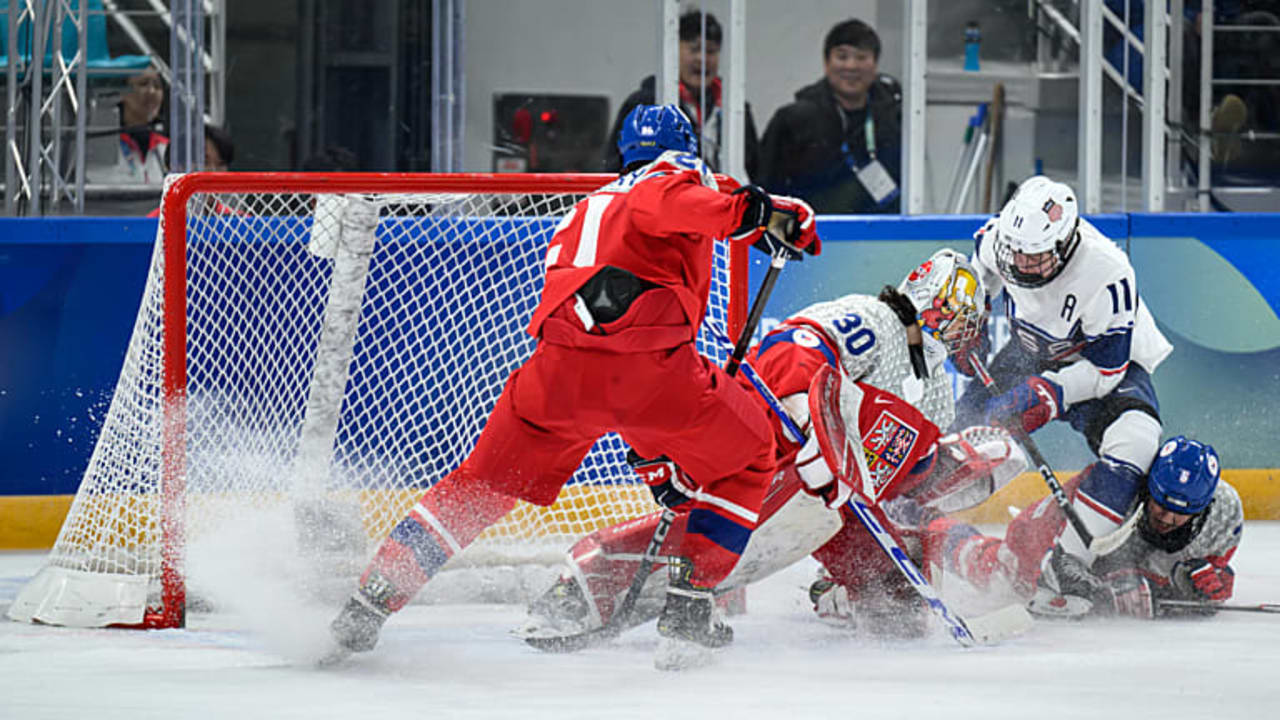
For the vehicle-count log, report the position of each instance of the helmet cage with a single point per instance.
(954, 312)
(954, 318)
(1060, 253)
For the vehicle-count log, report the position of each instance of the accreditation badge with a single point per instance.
(877, 182)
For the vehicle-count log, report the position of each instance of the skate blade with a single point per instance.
(333, 657)
(675, 655)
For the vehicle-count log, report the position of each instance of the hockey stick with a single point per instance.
(984, 629)
(1097, 545)
(830, 425)
(1055, 487)
(618, 620)
(1213, 607)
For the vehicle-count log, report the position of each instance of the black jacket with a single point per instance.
(611, 159)
(800, 154)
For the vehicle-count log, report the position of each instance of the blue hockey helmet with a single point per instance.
(650, 130)
(1184, 476)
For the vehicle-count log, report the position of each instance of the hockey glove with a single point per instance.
(971, 465)
(1213, 578)
(668, 483)
(1032, 404)
(1132, 595)
(773, 222)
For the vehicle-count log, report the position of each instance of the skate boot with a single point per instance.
(562, 610)
(690, 623)
(357, 625)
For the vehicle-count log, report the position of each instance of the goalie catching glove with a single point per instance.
(777, 222)
(972, 465)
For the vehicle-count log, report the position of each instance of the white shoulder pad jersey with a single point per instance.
(1217, 538)
(1087, 324)
(872, 344)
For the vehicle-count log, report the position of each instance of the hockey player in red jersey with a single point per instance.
(1179, 539)
(886, 348)
(628, 276)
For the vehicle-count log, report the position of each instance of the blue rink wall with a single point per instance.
(70, 287)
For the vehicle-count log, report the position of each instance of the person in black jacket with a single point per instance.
(699, 97)
(838, 146)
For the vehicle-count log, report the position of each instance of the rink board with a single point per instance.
(32, 521)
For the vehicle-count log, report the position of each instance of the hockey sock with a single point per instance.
(448, 517)
(714, 543)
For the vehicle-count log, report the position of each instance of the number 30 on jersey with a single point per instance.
(857, 339)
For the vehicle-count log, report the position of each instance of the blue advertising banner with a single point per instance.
(70, 287)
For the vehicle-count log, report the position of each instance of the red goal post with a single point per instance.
(313, 350)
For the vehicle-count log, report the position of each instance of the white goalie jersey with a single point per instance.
(871, 345)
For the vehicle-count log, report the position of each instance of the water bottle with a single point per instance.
(972, 39)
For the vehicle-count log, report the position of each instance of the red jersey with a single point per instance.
(658, 222)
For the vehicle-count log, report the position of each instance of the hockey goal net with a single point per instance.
(317, 349)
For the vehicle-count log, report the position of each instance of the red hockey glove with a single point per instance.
(668, 483)
(1213, 578)
(772, 222)
(1033, 403)
(792, 220)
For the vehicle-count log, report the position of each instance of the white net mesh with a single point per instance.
(335, 379)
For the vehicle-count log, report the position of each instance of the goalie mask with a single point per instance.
(1182, 479)
(949, 300)
(1036, 232)
(650, 130)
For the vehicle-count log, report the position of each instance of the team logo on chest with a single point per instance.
(887, 447)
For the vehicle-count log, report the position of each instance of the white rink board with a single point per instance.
(451, 661)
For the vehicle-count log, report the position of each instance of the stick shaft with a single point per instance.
(650, 557)
(1055, 487)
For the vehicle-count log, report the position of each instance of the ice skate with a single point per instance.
(690, 623)
(357, 625)
(561, 611)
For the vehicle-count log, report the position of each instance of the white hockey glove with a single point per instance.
(972, 465)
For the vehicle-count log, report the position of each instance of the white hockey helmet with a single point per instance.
(1037, 232)
(951, 305)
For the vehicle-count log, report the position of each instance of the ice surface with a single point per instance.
(457, 661)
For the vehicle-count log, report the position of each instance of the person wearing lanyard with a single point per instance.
(813, 148)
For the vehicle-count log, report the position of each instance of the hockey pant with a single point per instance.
(553, 409)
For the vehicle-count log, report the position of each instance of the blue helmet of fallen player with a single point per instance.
(650, 130)
(1182, 480)
(1183, 476)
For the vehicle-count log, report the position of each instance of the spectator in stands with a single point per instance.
(219, 149)
(838, 145)
(700, 96)
(142, 151)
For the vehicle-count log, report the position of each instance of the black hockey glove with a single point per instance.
(777, 223)
(668, 483)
